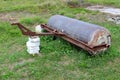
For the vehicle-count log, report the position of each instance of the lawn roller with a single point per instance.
(90, 37)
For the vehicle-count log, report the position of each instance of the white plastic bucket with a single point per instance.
(33, 44)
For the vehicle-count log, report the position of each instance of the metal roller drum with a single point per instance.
(91, 34)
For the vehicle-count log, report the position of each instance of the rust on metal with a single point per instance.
(26, 31)
(95, 39)
(90, 34)
(85, 46)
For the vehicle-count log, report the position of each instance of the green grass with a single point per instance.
(106, 2)
(59, 60)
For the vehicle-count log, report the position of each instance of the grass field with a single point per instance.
(58, 60)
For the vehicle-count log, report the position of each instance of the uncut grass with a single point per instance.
(59, 59)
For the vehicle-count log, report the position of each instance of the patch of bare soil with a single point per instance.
(112, 14)
(76, 4)
(98, 17)
(109, 13)
(104, 9)
(14, 16)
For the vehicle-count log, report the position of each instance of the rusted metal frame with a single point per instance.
(28, 32)
(74, 41)
(84, 46)
(71, 40)
(51, 31)
(54, 31)
(23, 29)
